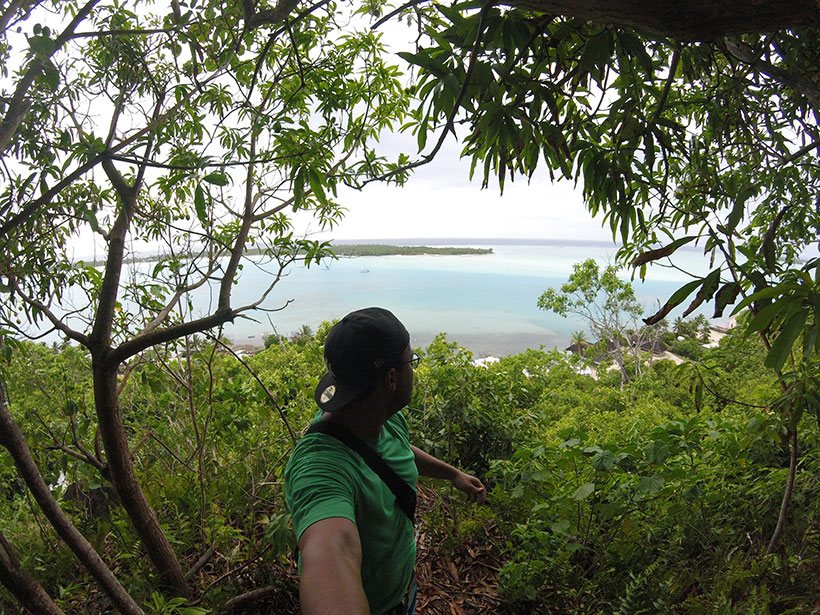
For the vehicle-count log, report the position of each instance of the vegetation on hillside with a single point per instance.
(604, 499)
(206, 127)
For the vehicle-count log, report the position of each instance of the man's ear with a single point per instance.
(390, 379)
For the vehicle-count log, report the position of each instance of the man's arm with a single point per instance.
(331, 581)
(435, 468)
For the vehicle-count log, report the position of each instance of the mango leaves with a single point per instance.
(673, 143)
(787, 310)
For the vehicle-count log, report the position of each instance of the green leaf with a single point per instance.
(92, 221)
(810, 341)
(584, 491)
(699, 396)
(425, 61)
(710, 285)
(603, 461)
(561, 526)
(451, 84)
(316, 186)
(676, 299)
(769, 292)
(783, 344)
(726, 296)
(298, 189)
(737, 212)
(651, 484)
(764, 317)
(216, 178)
(199, 205)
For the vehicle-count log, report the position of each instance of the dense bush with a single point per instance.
(608, 499)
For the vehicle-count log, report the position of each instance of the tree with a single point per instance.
(691, 21)
(579, 342)
(608, 306)
(193, 131)
(675, 142)
(681, 128)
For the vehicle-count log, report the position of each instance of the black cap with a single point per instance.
(358, 350)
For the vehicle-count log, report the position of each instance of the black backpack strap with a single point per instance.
(405, 495)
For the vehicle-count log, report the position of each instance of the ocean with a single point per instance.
(485, 302)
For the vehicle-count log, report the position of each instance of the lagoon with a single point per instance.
(486, 302)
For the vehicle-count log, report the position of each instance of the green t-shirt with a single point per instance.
(325, 479)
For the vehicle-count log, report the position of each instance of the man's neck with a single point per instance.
(365, 424)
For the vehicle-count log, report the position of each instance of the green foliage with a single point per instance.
(175, 606)
(606, 499)
(689, 348)
(648, 126)
(458, 414)
(605, 507)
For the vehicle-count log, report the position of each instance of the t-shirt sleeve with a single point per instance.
(315, 489)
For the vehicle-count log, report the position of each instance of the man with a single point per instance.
(356, 545)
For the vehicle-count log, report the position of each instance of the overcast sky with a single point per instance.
(440, 201)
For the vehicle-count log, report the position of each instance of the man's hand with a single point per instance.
(436, 468)
(471, 487)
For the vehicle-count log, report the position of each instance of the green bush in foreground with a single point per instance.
(608, 500)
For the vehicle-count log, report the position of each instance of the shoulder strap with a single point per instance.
(405, 496)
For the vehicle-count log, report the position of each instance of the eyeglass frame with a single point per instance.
(414, 361)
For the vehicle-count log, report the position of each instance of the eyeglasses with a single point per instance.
(414, 361)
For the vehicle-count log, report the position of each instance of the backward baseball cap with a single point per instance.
(358, 348)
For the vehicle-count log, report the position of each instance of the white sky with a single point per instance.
(439, 201)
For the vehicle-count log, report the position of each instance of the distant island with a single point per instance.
(361, 249)
(343, 249)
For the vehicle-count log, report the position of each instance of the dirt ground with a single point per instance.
(461, 580)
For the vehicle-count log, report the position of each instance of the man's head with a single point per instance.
(360, 351)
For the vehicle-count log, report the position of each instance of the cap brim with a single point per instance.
(331, 396)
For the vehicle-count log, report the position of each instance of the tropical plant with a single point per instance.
(609, 307)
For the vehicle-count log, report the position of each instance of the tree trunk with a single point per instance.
(121, 469)
(27, 591)
(12, 439)
(787, 494)
(693, 20)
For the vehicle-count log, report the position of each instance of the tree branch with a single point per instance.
(56, 322)
(12, 439)
(18, 106)
(21, 585)
(746, 54)
(695, 20)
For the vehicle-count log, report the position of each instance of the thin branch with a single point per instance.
(272, 399)
(169, 450)
(799, 153)
(56, 322)
(449, 126)
(169, 307)
(18, 105)
(673, 68)
(136, 32)
(407, 5)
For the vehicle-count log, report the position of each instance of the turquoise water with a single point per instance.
(486, 303)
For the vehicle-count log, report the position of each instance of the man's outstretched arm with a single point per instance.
(331, 581)
(433, 467)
